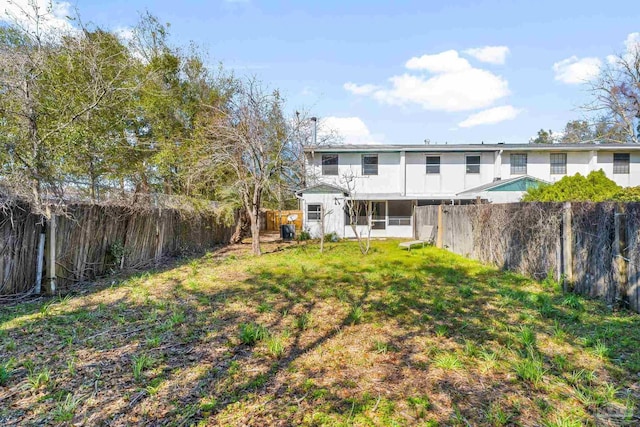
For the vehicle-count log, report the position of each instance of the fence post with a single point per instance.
(50, 255)
(440, 221)
(620, 275)
(567, 246)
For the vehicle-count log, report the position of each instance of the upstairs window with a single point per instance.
(313, 213)
(433, 164)
(621, 163)
(329, 164)
(369, 164)
(518, 164)
(558, 163)
(473, 164)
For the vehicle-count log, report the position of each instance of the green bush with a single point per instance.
(595, 187)
(304, 235)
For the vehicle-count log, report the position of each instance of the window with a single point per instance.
(329, 164)
(314, 212)
(360, 213)
(473, 164)
(558, 164)
(518, 164)
(621, 163)
(378, 215)
(433, 164)
(369, 164)
(400, 212)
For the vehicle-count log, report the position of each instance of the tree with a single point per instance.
(247, 140)
(576, 132)
(616, 94)
(47, 85)
(359, 213)
(544, 137)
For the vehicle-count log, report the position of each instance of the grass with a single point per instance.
(301, 338)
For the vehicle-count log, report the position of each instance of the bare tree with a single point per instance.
(357, 209)
(617, 96)
(249, 138)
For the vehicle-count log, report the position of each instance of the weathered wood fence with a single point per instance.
(92, 240)
(274, 219)
(594, 247)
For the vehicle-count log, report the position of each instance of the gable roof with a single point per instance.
(322, 188)
(519, 183)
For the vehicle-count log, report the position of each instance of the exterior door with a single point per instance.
(378, 215)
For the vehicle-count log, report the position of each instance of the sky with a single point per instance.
(401, 72)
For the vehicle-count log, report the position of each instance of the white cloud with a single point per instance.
(125, 34)
(460, 91)
(453, 86)
(632, 43)
(53, 16)
(351, 129)
(490, 116)
(357, 89)
(444, 62)
(490, 54)
(574, 70)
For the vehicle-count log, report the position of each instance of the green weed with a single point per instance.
(139, 364)
(448, 361)
(251, 333)
(66, 409)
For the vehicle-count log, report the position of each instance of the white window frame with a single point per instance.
(314, 212)
(362, 164)
(467, 164)
(623, 168)
(433, 165)
(518, 169)
(557, 168)
(324, 171)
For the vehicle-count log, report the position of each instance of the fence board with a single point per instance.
(87, 238)
(527, 238)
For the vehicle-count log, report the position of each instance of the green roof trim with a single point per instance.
(523, 184)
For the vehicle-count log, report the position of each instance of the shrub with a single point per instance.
(304, 235)
(331, 237)
(595, 187)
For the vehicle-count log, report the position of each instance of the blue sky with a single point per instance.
(401, 72)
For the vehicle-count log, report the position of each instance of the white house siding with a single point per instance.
(387, 181)
(402, 231)
(582, 162)
(334, 219)
(605, 162)
(452, 178)
(402, 175)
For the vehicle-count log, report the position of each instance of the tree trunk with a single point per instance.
(255, 230)
(243, 228)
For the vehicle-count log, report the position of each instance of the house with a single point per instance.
(383, 183)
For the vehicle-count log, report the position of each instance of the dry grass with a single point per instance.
(301, 338)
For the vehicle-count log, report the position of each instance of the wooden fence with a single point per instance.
(274, 219)
(91, 241)
(594, 247)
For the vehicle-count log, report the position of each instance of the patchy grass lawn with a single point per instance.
(300, 338)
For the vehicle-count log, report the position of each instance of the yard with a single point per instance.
(301, 338)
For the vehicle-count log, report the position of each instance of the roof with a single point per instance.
(510, 184)
(440, 148)
(322, 188)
